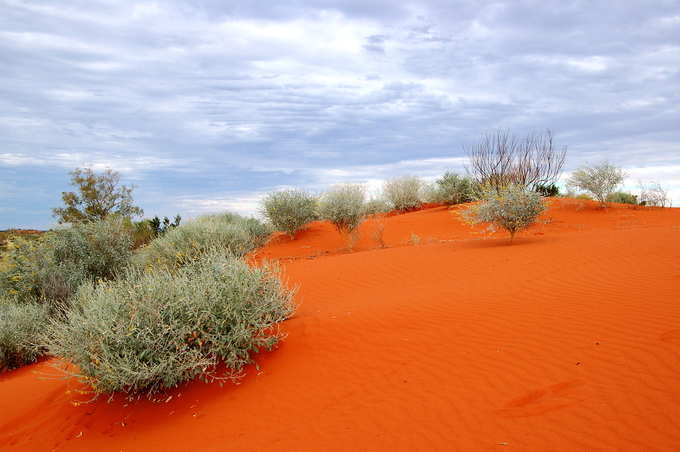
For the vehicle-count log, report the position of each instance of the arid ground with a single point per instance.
(442, 337)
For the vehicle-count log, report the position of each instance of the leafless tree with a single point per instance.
(501, 158)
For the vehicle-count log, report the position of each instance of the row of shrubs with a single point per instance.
(347, 205)
(146, 320)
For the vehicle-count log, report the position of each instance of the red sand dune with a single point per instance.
(568, 340)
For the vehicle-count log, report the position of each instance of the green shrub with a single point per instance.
(453, 189)
(52, 267)
(547, 190)
(289, 210)
(21, 326)
(622, 198)
(344, 206)
(404, 193)
(599, 180)
(512, 208)
(229, 232)
(154, 330)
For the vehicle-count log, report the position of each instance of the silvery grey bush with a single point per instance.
(52, 267)
(344, 206)
(289, 210)
(21, 325)
(512, 208)
(404, 193)
(229, 232)
(452, 188)
(154, 330)
(598, 180)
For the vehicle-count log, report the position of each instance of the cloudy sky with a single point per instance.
(204, 105)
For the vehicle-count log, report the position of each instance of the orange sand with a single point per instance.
(568, 340)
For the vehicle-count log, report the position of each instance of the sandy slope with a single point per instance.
(567, 340)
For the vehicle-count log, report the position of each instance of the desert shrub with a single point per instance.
(377, 206)
(344, 206)
(513, 208)
(654, 195)
(52, 267)
(599, 180)
(229, 232)
(502, 158)
(547, 190)
(452, 189)
(21, 326)
(153, 330)
(622, 197)
(289, 210)
(404, 193)
(570, 193)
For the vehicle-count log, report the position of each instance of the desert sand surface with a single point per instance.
(454, 340)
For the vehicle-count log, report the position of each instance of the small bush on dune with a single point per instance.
(289, 210)
(21, 326)
(513, 208)
(404, 193)
(229, 232)
(621, 197)
(452, 189)
(573, 195)
(599, 180)
(377, 206)
(154, 330)
(344, 206)
(654, 195)
(52, 267)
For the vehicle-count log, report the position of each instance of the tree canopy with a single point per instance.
(97, 196)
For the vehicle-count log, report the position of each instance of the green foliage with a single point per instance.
(98, 196)
(290, 210)
(154, 330)
(621, 197)
(404, 193)
(52, 267)
(21, 326)
(512, 208)
(147, 230)
(229, 232)
(344, 206)
(452, 189)
(161, 227)
(547, 190)
(598, 181)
